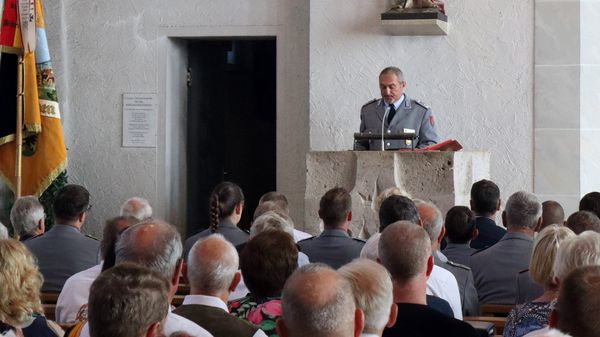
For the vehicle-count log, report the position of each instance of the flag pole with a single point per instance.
(19, 130)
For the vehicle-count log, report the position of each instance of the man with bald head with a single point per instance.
(212, 271)
(373, 293)
(156, 245)
(405, 250)
(318, 302)
(552, 214)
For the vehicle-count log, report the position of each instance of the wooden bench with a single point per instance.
(499, 322)
(496, 310)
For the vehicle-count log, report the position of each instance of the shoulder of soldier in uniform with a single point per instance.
(458, 265)
(359, 240)
(91, 237)
(370, 102)
(421, 104)
(480, 250)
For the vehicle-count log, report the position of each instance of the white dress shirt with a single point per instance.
(300, 235)
(75, 294)
(441, 283)
(215, 302)
(173, 323)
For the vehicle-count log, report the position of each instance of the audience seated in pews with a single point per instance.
(533, 315)
(495, 268)
(485, 202)
(582, 221)
(71, 304)
(156, 245)
(552, 214)
(373, 293)
(433, 223)
(267, 261)
(136, 207)
(77, 251)
(128, 301)
(280, 200)
(333, 246)
(226, 204)
(318, 302)
(212, 271)
(27, 218)
(21, 311)
(405, 251)
(460, 230)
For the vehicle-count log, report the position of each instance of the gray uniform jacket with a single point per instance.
(466, 285)
(333, 247)
(230, 231)
(527, 289)
(459, 253)
(410, 115)
(495, 268)
(61, 252)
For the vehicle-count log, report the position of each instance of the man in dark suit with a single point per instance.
(213, 274)
(496, 268)
(405, 250)
(485, 202)
(334, 246)
(64, 250)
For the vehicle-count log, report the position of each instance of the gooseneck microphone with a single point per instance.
(387, 111)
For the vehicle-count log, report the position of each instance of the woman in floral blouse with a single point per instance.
(267, 261)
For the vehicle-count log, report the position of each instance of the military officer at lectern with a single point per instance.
(401, 113)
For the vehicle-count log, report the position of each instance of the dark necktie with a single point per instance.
(391, 114)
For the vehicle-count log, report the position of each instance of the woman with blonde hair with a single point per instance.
(531, 316)
(20, 282)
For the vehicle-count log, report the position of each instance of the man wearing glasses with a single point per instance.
(64, 250)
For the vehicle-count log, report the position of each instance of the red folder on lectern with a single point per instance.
(447, 145)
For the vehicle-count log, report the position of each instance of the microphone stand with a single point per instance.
(387, 111)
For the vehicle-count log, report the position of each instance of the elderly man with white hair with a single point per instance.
(317, 301)
(136, 207)
(156, 245)
(212, 271)
(373, 292)
(27, 218)
(495, 268)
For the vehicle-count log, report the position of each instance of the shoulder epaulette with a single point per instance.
(359, 240)
(457, 265)
(524, 271)
(307, 239)
(91, 237)
(422, 104)
(370, 102)
(481, 250)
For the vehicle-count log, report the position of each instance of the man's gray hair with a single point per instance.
(272, 220)
(3, 232)
(404, 249)
(577, 251)
(212, 264)
(26, 214)
(154, 244)
(523, 210)
(136, 207)
(373, 292)
(393, 70)
(317, 301)
(432, 218)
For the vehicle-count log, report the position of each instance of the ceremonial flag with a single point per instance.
(44, 153)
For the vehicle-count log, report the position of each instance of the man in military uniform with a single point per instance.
(334, 246)
(404, 115)
(64, 250)
(27, 218)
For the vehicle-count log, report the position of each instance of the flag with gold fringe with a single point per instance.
(44, 155)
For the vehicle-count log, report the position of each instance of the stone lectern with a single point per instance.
(444, 178)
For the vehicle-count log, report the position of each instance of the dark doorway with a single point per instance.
(231, 122)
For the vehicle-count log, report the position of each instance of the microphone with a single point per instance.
(387, 111)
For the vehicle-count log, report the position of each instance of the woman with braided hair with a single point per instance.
(226, 204)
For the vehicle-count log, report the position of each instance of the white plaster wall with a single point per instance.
(478, 79)
(111, 47)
